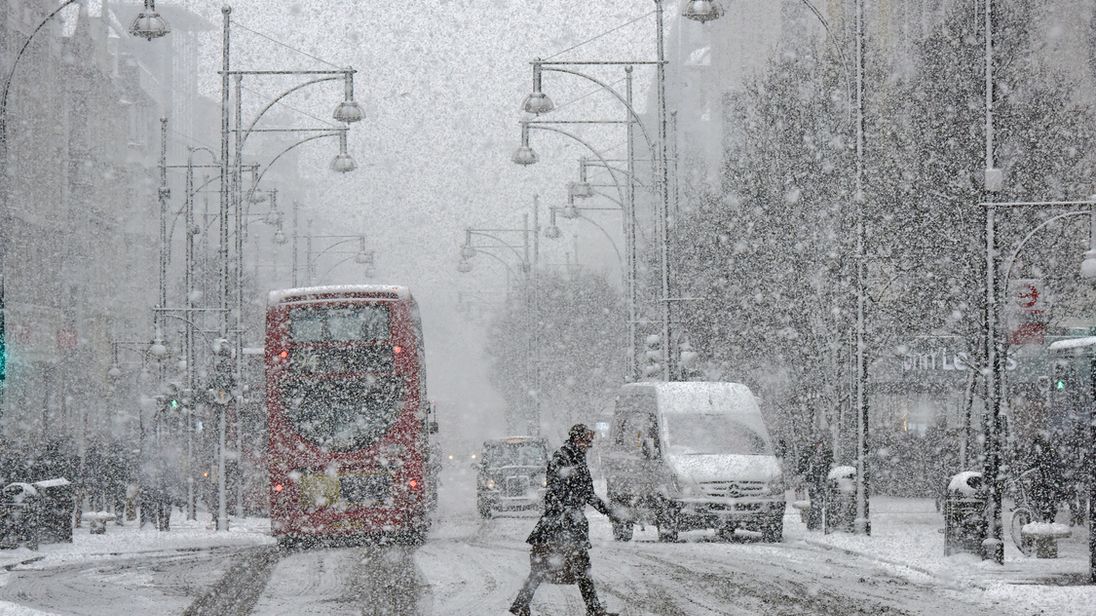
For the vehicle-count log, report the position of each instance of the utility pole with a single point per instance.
(992, 546)
(226, 11)
(669, 364)
(863, 484)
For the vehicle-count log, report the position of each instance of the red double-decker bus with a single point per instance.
(350, 448)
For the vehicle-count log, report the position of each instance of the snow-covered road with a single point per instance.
(472, 567)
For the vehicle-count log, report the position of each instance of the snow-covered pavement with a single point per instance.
(474, 567)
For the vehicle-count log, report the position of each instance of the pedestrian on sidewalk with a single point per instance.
(561, 539)
(814, 466)
(1047, 489)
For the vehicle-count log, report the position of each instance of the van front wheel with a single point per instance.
(772, 529)
(622, 518)
(622, 531)
(667, 523)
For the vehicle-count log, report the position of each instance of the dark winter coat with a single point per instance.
(814, 465)
(1047, 488)
(570, 488)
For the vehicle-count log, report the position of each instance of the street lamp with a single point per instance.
(343, 162)
(701, 10)
(348, 111)
(524, 155)
(569, 211)
(363, 256)
(537, 102)
(552, 231)
(582, 188)
(464, 266)
(148, 24)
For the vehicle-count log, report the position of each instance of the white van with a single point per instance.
(693, 455)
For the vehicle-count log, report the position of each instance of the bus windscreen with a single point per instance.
(343, 414)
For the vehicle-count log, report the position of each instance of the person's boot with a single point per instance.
(519, 610)
(601, 612)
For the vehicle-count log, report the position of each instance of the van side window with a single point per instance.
(652, 449)
(620, 433)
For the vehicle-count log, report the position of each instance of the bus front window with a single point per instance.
(343, 414)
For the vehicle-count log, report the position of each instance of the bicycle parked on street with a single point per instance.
(1022, 508)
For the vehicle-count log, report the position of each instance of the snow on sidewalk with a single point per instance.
(130, 540)
(907, 534)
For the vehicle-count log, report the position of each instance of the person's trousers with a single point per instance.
(577, 563)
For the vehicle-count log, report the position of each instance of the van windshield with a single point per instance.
(697, 434)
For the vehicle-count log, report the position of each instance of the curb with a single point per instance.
(10, 566)
(895, 563)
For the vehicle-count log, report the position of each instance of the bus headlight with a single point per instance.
(318, 490)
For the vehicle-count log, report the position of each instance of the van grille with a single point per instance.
(516, 486)
(733, 489)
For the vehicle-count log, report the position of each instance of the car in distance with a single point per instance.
(510, 474)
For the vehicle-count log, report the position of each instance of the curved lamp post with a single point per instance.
(993, 547)
(528, 263)
(360, 256)
(630, 271)
(573, 213)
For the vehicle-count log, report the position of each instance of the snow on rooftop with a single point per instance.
(691, 396)
(1072, 344)
(283, 295)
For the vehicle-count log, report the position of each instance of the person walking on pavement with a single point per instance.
(561, 538)
(1047, 488)
(814, 466)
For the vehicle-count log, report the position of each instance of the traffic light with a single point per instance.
(652, 354)
(1062, 380)
(173, 400)
(689, 363)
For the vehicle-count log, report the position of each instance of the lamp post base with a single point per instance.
(993, 549)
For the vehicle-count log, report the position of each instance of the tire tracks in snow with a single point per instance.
(237, 591)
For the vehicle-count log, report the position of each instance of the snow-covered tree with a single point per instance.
(563, 345)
